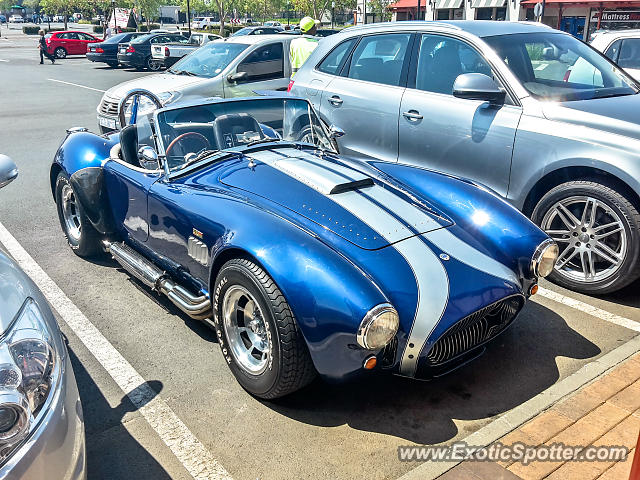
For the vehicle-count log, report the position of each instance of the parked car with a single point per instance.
(203, 22)
(58, 18)
(273, 24)
(622, 47)
(491, 101)
(257, 30)
(16, 19)
(69, 42)
(169, 53)
(41, 415)
(325, 32)
(137, 52)
(241, 213)
(236, 67)
(107, 50)
(3, 19)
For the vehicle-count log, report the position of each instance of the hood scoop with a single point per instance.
(335, 196)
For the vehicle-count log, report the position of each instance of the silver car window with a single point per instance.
(380, 58)
(630, 53)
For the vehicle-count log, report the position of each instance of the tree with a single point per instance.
(381, 8)
(149, 8)
(62, 7)
(317, 8)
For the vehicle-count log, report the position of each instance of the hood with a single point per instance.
(337, 196)
(158, 83)
(15, 287)
(619, 115)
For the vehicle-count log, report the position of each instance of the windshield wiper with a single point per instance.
(263, 140)
(200, 156)
(181, 72)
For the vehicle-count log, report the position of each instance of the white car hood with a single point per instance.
(158, 83)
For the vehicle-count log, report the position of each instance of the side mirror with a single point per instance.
(478, 86)
(238, 77)
(335, 132)
(148, 158)
(8, 171)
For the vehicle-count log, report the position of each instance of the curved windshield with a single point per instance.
(142, 38)
(194, 133)
(558, 67)
(208, 61)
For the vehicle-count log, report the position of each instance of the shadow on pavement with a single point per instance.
(627, 296)
(112, 453)
(517, 366)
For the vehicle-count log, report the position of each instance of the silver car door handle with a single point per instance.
(412, 115)
(335, 100)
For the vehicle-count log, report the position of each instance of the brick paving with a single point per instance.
(604, 412)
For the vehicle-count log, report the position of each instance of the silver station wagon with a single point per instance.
(495, 102)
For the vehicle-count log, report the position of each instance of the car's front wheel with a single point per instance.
(598, 232)
(60, 52)
(83, 239)
(258, 335)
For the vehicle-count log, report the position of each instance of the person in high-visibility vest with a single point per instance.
(302, 47)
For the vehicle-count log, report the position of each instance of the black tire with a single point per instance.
(87, 244)
(60, 52)
(152, 64)
(615, 203)
(289, 366)
(113, 64)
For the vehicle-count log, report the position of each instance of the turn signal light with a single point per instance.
(99, 50)
(370, 363)
(131, 49)
(290, 85)
(534, 289)
(166, 52)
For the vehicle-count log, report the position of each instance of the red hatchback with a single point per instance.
(70, 42)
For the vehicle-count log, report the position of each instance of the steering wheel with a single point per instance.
(179, 138)
(136, 94)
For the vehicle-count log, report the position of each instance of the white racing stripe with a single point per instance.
(195, 458)
(426, 266)
(76, 85)
(590, 309)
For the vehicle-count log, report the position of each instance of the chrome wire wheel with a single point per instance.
(246, 329)
(591, 237)
(70, 213)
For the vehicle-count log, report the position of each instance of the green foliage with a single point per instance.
(98, 29)
(30, 30)
(86, 22)
(151, 26)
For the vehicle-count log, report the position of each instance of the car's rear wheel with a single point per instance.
(83, 239)
(60, 52)
(258, 335)
(113, 64)
(598, 231)
(152, 64)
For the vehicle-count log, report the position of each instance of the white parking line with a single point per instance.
(2, 60)
(590, 309)
(193, 455)
(76, 85)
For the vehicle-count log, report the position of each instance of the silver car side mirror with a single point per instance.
(8, 170)
(148, 158)
(335, 132)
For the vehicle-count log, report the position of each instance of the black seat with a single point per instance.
(231, 128)
(129, 145)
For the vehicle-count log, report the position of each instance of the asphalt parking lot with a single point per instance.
(323, 431)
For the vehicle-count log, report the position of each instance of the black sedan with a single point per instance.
(107, 51)
(137, 52)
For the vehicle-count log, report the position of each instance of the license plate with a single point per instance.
(123, 50)
(107, 122)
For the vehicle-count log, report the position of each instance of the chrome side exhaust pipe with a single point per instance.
(198, 307)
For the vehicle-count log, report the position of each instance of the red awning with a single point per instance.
(586, 3)
(408, 4)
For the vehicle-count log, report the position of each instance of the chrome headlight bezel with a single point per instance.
(371, 320)
(545, 256)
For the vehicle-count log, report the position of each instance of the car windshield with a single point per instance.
(142, 38)
(558, 67)
(192, 133)
(243, 31)
(208, 61)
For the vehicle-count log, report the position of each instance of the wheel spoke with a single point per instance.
(606, 252)
(599, 228)
(559, 235)
(568, 218)
(590, 207)
(565, 257)
(610, 232)
(588, 267)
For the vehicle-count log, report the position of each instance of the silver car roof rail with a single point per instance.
(415, 23)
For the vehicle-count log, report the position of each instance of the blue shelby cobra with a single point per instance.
(242, 213)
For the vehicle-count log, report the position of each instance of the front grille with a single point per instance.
(475, 329)
(108, 107)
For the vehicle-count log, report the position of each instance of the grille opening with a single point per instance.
(474, 330)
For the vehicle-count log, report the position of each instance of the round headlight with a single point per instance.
(378, 327)
(544, 258)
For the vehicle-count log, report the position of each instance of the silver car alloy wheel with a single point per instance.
(591, 237)
(70, 213)
(246, 330)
